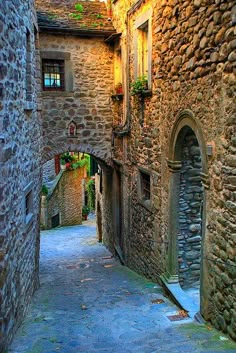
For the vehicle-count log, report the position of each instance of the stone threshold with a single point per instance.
(182, 299)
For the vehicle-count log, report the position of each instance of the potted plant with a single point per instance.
(62, 164)
(66, 160)
(85, 212)
(44, 190)
(139, 86)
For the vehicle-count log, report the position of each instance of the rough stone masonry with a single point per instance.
(20, 159)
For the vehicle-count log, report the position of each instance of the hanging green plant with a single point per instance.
(139, 85)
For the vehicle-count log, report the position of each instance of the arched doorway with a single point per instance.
(187, 204)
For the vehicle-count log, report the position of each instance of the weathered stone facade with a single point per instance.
(64, 200)
(20, 159)
(85, 99)
(192, 86)
(49, 172)
(88, 103)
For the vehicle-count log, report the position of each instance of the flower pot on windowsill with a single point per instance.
(119, 89)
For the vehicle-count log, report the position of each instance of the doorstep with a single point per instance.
(183, 299)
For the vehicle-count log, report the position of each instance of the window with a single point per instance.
(145, 188)
(53, 75)
(143, 50)
(28, 203)
(143, 46)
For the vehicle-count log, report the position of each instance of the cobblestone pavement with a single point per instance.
(89, 303)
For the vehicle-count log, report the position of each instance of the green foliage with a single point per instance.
(85, 210)
(90, 188)
(94, 24)
(99, 15)
(66, 157)
(44, 190)
(139, 85)
(77, 15)
(79, 7)
(79, 164)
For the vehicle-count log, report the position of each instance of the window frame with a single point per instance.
(28, 210)
(53, 63)
(68, 72)
(143, 28)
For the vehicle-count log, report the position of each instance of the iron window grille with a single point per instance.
(53, 75)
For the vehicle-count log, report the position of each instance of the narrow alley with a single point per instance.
(88, 302)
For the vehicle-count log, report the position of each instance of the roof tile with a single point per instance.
(73, 16)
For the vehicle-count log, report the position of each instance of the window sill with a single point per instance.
(57, 93)
(117, 97)
(147, 93)
(146, 204)
(28, 220)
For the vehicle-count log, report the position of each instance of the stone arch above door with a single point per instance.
(186, 119)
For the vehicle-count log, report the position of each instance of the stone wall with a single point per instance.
(86, 102)
(20, 159)
(193, 58)
(49, 173)
(65, 199)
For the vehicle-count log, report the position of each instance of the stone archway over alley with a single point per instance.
(89, 302)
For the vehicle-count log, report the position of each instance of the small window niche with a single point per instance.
(144, 188)
(28, 203)
(72, 129)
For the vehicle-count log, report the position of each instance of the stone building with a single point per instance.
(20, 159)
(63, 204)
(150, 95)
(77, 77)
(174, 149)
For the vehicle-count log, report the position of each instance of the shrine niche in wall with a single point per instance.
(72, 129)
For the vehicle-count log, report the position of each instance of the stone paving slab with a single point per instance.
(89, 303)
